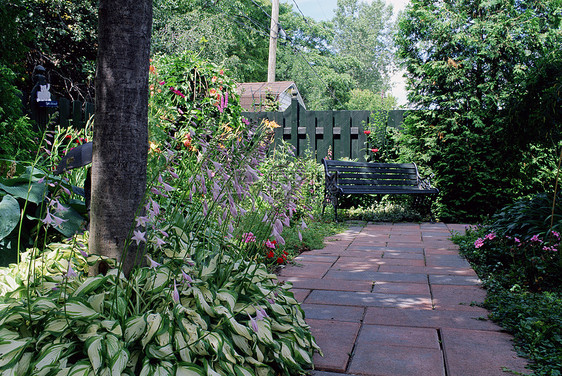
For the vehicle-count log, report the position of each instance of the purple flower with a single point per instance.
(260, 313)
(142, 221)
(159, 242)
(70, 273)
(138, 236)
(253, 324)
(186, 278)
(175, 293)
(153, 264)
(303, 224)
(84, 254)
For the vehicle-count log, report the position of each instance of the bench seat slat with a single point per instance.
(359, 178)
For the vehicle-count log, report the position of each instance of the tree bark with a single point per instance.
(120, 144)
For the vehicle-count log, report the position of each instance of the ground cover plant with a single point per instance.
(206, 303)
(517, 256)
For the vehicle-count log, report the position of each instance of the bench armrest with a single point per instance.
(425, 183)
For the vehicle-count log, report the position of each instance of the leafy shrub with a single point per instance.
(518, 258)
(17, 137)
(223, 316)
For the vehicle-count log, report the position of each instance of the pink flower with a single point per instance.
(479, 243)
(535, 238)
(375, 150)
(248, 237)
(491, 236)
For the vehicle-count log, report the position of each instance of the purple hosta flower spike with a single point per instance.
(278, 226)
(186, 278)
(175, 293)
(253, 324)
(153, 264)
(70, 273)
(84, 254)
(164, 233)
(159, 242)
(300, 235)
(142, 221)
(138, 236)
(303, 224)
(260, 313)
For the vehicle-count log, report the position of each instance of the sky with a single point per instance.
(323, 10)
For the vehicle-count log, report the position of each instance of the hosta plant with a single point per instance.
(171, 318)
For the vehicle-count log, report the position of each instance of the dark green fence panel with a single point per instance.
(342, 132)
(325, 129)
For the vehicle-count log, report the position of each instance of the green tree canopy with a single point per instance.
(467, 64)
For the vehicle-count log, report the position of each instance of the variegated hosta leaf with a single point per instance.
(181, 347)
(94, 348)
(264, 332)
(49, 355)
(11, 350)
(78, 310)
(89, 285)
(230, 297)
(240, 371)
(160, 352)
(134, 328)
(187, 369)
(119, 362)
(81, 368)
(210, 267)
(153, 322)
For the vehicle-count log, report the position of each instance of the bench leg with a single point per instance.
(330, 199)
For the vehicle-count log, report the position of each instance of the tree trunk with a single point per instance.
(121, 128)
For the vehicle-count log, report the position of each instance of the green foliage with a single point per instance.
(17, 137)
(224, 316)
(521, 272)
(467, 62)
(366, 100)
(60, 35)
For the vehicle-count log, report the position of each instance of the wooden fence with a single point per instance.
(319, 131)
(70, 113)
(315, 132)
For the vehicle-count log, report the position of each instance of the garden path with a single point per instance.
(395, 300)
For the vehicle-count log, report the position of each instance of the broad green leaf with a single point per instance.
(159, 281)
(264, 332)
(56, 326)
(134, 328)
(77, 310)
(210, 267)
(286, 355)
(113, 327)
(242, 343)
(240, 329)
(240, 371)
(161, 371)
(301, 355)
(112, 345)
(215, 341)
(33, 193)
(119, 362)
(153, 322)
(91, 331)
(228, 296)
(96, 301)
(9, 215)
(49, 356)
(94, 348)
(160, 352)
(184, 369)
(81, 369)
(181, 346)
(11, 349)
(89, 285)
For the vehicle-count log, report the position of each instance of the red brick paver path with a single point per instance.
(395, 300)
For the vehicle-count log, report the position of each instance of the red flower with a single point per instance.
(367, 132)
(374, 150)
(270, 254)
(280, 260)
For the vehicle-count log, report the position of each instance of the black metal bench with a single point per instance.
(365, 178)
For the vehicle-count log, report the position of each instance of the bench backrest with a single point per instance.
(373, 174)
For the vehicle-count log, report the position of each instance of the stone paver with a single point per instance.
(396, 300)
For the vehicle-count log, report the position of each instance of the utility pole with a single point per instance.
(273, 34)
